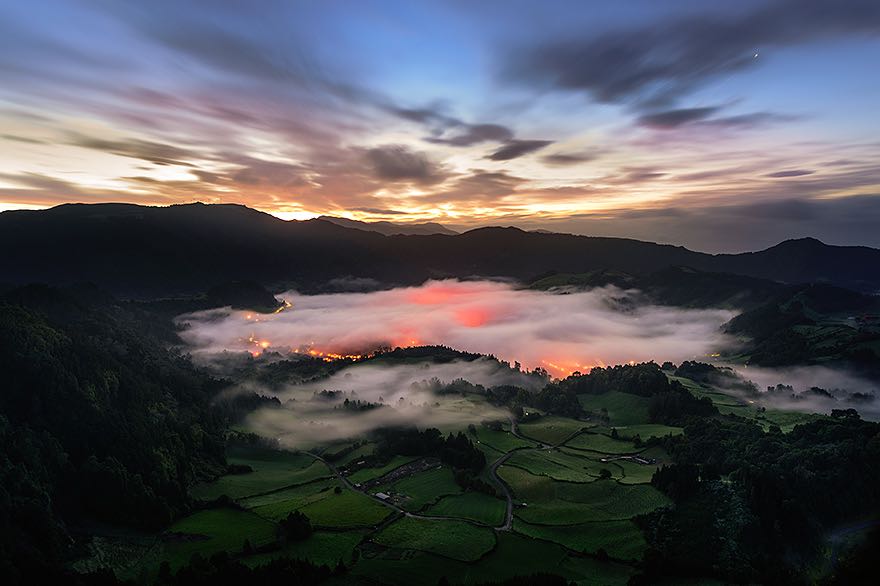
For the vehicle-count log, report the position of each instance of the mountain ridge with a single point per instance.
(146, 251)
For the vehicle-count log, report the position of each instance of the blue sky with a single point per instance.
(647, 119)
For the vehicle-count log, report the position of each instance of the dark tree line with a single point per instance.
(98, 421)
(456, 450)
(754, 505)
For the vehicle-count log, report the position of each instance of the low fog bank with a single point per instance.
(559, 332)
(365, 397)
(812, 389)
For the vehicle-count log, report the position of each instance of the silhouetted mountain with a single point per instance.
(390, 228)
(151, 251)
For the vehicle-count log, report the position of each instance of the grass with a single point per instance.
(561, 465)
(514, 555)
(426, 487)
(528, 487)
(621, 539)
(647, 430)
(215, 530)
(322, 548)
(277, 505)
(355, 455)
(603, 500)
(634, 473)
(597, 442)
(502, 441)
(551, 429)
(345, 510)
(453, 539)
(272, 469)
(623, 408)
(367, 474)
(475, 506)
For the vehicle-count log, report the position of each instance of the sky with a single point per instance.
(719, 126)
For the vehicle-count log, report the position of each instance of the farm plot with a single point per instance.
(603, 444)
(272, 469)
(425, 488)
(502, 441)
(603, 500)
(453, 539)
(277, 505)
(551, 429)
(475, 506)
(346, 510)
(622, 540)
(321, 548)
(367, 474)
(214, 530)
(560, 465)
(623, 408)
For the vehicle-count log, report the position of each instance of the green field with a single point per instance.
(426, 487)
(502, 441)
(514, 555)
(621, 539)
(272, 469)
(561, 465)
(214, 530)
(454, 539)
(323, 547)
(348, 509)
(475, 506)
(277, 505)
(575, 503)
(366, 474)
(647, 430)
(623, 408)
(597, 442)
(551, 429)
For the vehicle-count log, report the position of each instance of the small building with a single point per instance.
(383, 496)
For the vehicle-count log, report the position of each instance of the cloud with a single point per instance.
(405, 393)
(153, 152)
(791, 173)
(471, 134)
(400, 163)
(566, 159)
(513, 149)
(657, 65)
(840, 384)
(676, 118)
(559, 332)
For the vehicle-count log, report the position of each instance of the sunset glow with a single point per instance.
(560, 333)
(305, 109)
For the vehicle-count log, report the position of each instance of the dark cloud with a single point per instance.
(23, 139)
(791, 173)
(399, 163)
(639, 175)
(513, 149)
(566, 159)
(153, 152)
(751, 120)
(471, 134)
(380, 211)
(656, 65)
(705, 117)
(677, 117)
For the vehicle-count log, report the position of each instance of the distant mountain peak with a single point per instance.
(391, 228)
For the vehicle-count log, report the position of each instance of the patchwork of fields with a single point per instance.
(574, 486)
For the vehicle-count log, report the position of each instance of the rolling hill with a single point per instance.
(142, 251)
